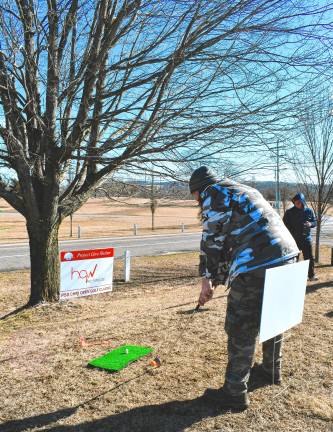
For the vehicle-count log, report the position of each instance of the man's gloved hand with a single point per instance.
(307, 224)
(207, 291)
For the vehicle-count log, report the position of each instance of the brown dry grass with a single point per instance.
(102, 217)
(45, 385)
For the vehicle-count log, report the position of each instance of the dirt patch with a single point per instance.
(102, 217)
(45, 385)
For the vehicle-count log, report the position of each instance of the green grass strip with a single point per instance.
(119, 358)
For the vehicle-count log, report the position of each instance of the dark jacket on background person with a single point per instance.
(241, 232)
(295, 220)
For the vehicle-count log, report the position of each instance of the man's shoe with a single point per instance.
(313, 278)
(267, 376)
(225, 400)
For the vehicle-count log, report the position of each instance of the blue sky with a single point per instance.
(227, 101)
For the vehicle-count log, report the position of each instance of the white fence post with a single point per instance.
(127, 266)
(78, 231)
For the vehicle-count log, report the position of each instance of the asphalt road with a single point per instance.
(16, 256)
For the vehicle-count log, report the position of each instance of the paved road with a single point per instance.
(16, 256)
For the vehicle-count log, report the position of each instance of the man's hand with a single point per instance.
(207, 291)
(308, 224)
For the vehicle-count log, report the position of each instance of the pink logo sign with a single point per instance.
(83, 274)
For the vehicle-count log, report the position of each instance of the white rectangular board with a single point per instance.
(283, 300)
(85, 272)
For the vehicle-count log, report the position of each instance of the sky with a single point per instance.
(229, 100)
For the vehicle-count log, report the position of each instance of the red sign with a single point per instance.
(86, 254)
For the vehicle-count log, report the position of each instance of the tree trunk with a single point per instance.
(44, 259)
(153, 219)
(317, 245)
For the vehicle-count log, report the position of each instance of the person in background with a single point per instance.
(242, 237)
(299, 220)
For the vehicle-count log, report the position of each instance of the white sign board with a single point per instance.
(283, 300)
(85, 272)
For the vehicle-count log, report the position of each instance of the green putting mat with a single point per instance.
(120, 357)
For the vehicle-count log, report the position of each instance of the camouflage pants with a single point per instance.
(242, 326)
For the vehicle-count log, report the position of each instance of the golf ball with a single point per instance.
(126, 351)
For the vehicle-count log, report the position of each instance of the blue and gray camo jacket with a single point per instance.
(241, 232)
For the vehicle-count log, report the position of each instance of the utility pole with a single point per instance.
(153, 203)
(71, 225)
(70, 179)
(277, 179)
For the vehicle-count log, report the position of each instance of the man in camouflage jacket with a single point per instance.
(242, 237)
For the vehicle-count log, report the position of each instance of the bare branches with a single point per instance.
(32, 107)
(106, 84)
(313, 157)
(12, 197)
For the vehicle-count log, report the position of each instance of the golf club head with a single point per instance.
(192, 311)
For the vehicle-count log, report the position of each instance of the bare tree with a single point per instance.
(313, 158)
(117, 83)
(163, 194)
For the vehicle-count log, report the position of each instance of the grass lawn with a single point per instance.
(45, 384)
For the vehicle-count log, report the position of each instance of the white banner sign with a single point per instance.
(283, 300)
(86, 272)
